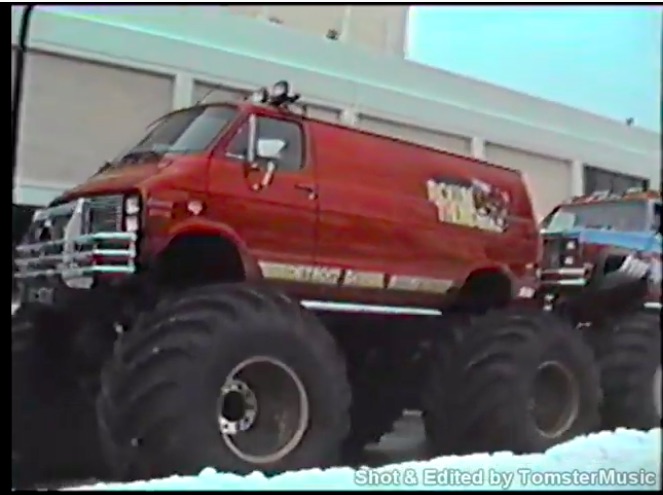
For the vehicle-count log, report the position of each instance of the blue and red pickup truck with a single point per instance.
(601, 267)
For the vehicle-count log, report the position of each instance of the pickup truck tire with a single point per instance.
(516, 380)
(165, 406)
(629, 354)
(53, 419)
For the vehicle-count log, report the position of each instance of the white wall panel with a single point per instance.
(213, 93)
(426, 137)
(548, 178)
(315, 20)
(326, 114)
(78, 114)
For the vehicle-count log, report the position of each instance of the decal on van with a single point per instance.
(474, 204)
(327, 275)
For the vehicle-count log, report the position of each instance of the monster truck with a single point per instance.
(602, 269)
(249, 288)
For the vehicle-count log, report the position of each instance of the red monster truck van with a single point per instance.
(602, 269)
(249, 288)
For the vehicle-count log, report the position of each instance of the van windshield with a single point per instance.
(626, 216)
(189, 131)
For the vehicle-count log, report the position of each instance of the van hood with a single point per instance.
(113, 181)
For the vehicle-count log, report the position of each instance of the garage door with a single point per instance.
(76, 114)
(548, 178)
(426, 137)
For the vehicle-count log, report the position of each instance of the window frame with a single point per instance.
(151, 128)
(243, 126)
(593, 175)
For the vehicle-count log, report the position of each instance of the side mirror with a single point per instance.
(269, 149)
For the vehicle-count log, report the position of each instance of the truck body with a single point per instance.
(348, 216)
(602, 270)
(602, 252)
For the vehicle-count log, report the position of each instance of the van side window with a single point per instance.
(292, 156)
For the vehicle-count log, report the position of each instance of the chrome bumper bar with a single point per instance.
(577, 277)
(80, 256)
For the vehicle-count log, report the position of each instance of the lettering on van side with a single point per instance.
(473, 204)
(327, 275)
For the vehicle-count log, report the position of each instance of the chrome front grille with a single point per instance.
(556, 269)
(76, 240)
(104, 214)
(553, 249)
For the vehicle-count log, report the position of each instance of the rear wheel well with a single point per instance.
(199, 259)
(484, 289)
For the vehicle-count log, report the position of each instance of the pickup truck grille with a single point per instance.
(553, 252)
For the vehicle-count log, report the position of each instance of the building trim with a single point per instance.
(577, 178)
(478, 147)
(183, 91)
(38, 193)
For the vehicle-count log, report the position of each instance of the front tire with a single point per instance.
(53, 421)
(516, 381)
(159, 410)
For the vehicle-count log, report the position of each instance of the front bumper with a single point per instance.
(565, 277)
(65, 250)
(78, 256)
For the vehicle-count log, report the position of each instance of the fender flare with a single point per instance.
(203, 226)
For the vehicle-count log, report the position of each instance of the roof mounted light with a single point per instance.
(278, 96)
(259, 96)
(280, 89)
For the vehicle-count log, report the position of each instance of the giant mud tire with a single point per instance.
(53, 419)
(629, 354)
(516, 381)
(159, 410)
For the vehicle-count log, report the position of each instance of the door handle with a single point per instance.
(309, 189)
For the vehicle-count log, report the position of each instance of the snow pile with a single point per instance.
(624, 459)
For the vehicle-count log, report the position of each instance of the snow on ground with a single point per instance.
(624, 459)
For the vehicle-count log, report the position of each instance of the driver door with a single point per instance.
(269, 202)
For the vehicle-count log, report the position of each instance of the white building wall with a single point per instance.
(78, 114)
(133, 75)
(377, 28)
(548, 177)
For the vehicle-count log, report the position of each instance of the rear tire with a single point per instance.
(54, 433)
(500, 387)
(158, 410)
(629, 354)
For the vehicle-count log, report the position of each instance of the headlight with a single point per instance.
(132, 207)
(131, 224)
(571, 245)
(568, 261)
